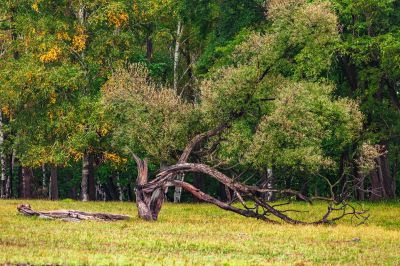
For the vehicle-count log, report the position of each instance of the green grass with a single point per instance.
(193, 234)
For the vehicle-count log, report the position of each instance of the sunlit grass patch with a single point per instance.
(198, 234)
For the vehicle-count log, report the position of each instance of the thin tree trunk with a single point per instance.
(178, 189)
(149, 47)
(376, 188)
(26, 182)
(53, 195)
(91, 179)
(176, 54)
(198, 181)
(85, 176)
(270, 185)
(359, 185)
(10, 176)
(3, 179)
(119, 189)
(44, 177)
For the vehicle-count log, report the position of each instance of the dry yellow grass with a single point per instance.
(193, 234)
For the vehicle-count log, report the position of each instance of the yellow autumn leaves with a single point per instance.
(6, 111)
(80, 39)
(51, 55)
(114, 158)
(117, 19)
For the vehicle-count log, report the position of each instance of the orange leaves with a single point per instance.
(79, 40)
(52, 55)
(6, 111)
(76, 155)
(117, 19)
(63, 36)
(108, 156)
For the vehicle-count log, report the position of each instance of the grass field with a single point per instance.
(193, 234)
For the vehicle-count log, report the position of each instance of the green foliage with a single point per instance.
(146, 118)
(277, 72)
(298, 133)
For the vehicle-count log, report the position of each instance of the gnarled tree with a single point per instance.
(265, 111)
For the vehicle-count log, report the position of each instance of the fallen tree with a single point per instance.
(70, 215)
(150, 195)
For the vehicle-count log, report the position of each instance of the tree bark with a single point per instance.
(70, 215)
(178, 189)
(3, 164)
(85, 176)
(376, 188)
(359, 185)
(149, 43)
(198, 181)
(44, 177)
(387, 179)
(148, 203)
(53, 195)
(119, 188)
(10, 176)
(268, 183)
(179, 31)
(382, 181)
(91, 179)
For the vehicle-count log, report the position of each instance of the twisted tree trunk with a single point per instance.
(148, 203)
(150, 195)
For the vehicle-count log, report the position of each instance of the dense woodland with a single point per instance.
(285, 94)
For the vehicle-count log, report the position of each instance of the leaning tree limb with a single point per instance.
(150, 195)
(261, 210)
(70, 215)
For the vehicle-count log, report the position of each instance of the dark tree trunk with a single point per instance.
(149, 47)
(111, 191)
(198, 181)
(359, 185)
(53, 195)
(26, 180)
(304, 187)
(382, 182)
(72, 193)
(387, 179)
(221, 192)
(376, 188)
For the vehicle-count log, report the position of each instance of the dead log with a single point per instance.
(70, 215)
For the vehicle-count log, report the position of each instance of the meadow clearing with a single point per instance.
(193, 234)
